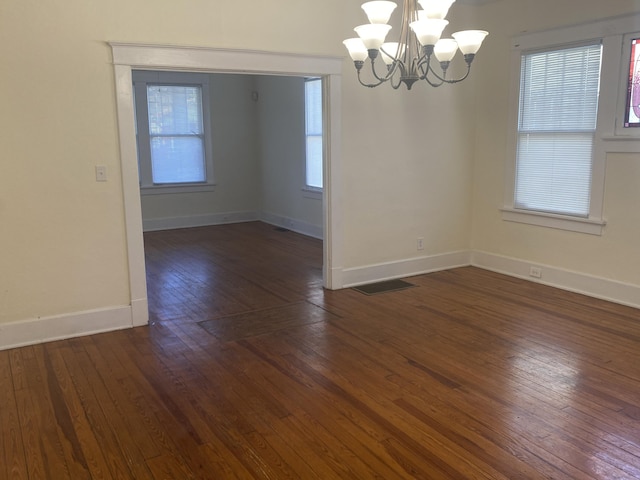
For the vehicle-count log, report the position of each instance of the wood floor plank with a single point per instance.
(13, 462)
(359, 413)
(121, 402)
(44, 448)
(224, 464)
(357, 465)
(388, 399)
(84, 455)
(250, 370)
(169, 467)
(342, 430)
(101, 423)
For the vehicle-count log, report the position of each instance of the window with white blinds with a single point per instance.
(176, 134)
(556, 126)
(313, 131)
(173, 131)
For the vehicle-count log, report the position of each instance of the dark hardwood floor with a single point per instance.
(249, 369)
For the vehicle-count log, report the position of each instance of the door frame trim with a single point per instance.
(128, 56)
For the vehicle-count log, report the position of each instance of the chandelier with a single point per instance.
(411, 58)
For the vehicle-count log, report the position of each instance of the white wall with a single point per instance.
(282, 152)
(408, 169)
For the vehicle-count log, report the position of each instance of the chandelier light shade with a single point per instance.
(420, 53)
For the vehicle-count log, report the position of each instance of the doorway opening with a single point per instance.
(128, 57)
(219, 148)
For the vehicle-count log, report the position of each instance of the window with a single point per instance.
(313, 131)
(556, 127)
(565, 121)
(632, 108)
(569, 97)
(173, 133)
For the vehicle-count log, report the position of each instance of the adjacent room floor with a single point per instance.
(249, 369)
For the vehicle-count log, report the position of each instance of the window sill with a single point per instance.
(549, 220)
(182, 188)
(312, 192)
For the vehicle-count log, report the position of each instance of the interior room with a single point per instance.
(512, 353)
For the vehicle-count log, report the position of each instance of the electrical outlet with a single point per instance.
(101, 173)
(420, 243)
(535, 272)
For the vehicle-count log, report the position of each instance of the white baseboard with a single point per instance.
(170, 223)
(33, 331)
(47, 329)
(598, 287)
(298, 226)
(352, 277)
(139, 312)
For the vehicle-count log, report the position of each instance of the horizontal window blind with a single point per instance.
(556, 126)
(313, 127)
(176, 134)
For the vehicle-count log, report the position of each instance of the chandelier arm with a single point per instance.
(443, 78)
(425, 67)
(430, 82)
(384, 78)
(395, 86)
(393, 70)
(369, 85)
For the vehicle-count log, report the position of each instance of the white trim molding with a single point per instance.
(298, 226)
(352, 277)
(597, 287)
(60, 327)
(179, 57)
(190, 221)
(562, 222)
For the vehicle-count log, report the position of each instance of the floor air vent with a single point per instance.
(383, 287)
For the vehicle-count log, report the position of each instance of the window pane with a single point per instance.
(560, 89)
(314, 161)
(313, 129)
(558, 109)
(177, 160)
(632, 112)
(554, 172)
(313, 93)
(174, 110)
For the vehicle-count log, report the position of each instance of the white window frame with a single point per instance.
(609, 136)
(312, 191)
(621, 131)
(141, 79)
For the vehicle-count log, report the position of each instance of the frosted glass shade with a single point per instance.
(445, 49)
(428, 31)
(373, 34)
(379, 11)
(469, 41)
(436, 8)
(357, 50)
(390, 51)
